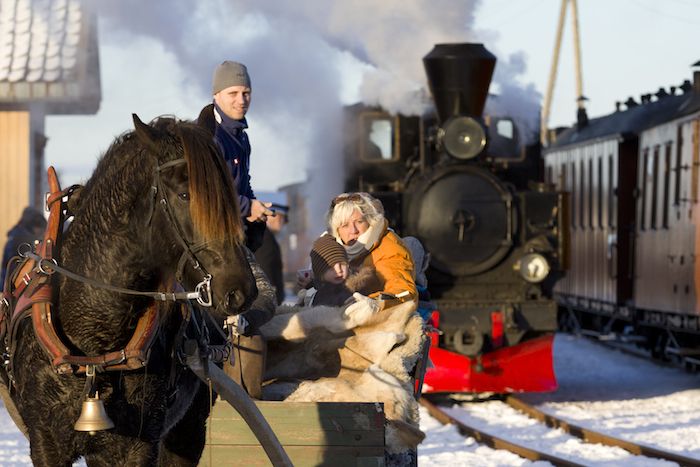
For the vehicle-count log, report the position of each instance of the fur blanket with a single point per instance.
(349, 354)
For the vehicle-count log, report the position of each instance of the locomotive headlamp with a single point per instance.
(463, 137)
(533, 267)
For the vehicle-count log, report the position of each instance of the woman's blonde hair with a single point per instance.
(345, 204)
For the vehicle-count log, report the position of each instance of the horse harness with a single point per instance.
(29, 291)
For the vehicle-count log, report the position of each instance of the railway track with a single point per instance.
(586, 435)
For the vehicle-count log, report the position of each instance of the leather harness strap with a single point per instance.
(33, 292)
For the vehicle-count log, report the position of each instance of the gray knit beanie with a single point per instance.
(230, 74)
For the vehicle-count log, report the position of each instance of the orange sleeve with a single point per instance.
(394, 267)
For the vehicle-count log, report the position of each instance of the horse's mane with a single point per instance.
(214, 201)
(128, 172)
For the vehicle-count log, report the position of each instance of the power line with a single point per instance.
(520, 13)
(665, 14)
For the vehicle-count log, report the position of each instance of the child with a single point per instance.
(333, 280)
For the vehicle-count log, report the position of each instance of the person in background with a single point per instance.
(269, 255)
(225, 117)
(30, 227)
(421, 259)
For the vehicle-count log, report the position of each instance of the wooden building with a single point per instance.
(49, 65)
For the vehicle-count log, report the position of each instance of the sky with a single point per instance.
(308, 57)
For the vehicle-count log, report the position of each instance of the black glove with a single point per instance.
(254, 233)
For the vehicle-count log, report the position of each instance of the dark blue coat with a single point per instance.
(232, 139)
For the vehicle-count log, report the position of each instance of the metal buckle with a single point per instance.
(23, 249)
(202, 292)
(44, 271)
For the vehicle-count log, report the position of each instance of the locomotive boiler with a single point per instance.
(465, 184)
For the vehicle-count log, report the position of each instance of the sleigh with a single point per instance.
(364, 415)
(311, 433)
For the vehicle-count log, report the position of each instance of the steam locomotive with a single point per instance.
(465, 185)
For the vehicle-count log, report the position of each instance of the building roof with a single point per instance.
(49, 56)
(632, 121)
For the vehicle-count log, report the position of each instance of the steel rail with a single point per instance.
(494, 441)
(591, 436)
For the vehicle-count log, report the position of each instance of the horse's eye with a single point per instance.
(184, 196)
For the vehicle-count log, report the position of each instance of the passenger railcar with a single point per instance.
(462, 182)
(633, 177)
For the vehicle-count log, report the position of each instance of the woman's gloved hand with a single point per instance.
(362, 311)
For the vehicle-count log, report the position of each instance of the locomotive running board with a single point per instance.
(526, 367)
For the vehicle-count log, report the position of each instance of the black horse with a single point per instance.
(160, 204)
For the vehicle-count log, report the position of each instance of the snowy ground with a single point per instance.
(601, 389)
(598, 388)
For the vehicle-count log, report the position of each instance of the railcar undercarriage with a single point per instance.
(662, 335)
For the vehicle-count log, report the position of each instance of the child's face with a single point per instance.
(337, 274)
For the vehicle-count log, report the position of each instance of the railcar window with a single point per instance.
(574, 197)
(591, 188)
(667, 188)
(678, 169)
(563, 181)
(643, 182)
(582, 196)
(655, 188)
(378, 143)
(599, 190)
(694, 165)
(611, 192)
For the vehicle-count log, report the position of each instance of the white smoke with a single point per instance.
(298, 54)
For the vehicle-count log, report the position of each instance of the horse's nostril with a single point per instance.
(234, 300)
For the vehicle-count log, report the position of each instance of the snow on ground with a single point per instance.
(14, 447)
(633, 399)
(598, 388)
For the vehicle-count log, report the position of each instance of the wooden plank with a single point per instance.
(301, 456)
(303, 424)
(15, 156)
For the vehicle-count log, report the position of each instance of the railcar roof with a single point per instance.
(48, 55)
(631, 121)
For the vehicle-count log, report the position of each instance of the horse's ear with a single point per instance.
(146, 134)
(206, 119)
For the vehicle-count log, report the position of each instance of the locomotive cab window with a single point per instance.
(504, 139)
(377, 138)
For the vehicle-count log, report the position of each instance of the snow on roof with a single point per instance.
(48, 53)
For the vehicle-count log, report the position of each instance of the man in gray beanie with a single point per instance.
(225, 118)
(231, 88)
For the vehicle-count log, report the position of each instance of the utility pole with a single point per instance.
(547, 104)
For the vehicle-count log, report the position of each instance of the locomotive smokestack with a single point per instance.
(459, 76)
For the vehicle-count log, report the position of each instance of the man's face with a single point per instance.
(234, 101)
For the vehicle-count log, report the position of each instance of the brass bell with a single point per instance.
(93, 416)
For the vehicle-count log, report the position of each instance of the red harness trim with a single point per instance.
(33, 292)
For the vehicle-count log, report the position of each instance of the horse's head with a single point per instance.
(193, 215)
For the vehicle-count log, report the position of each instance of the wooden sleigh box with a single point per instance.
(322, 433)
